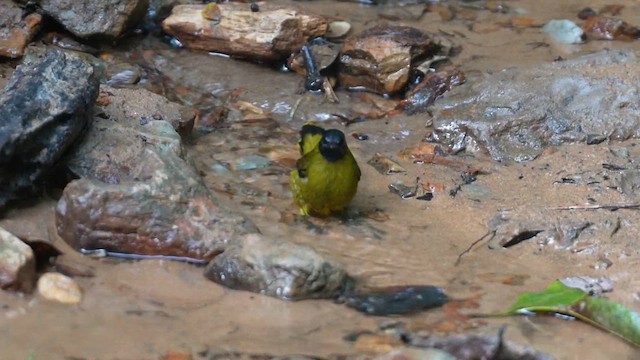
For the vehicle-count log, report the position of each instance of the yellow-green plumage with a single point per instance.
(326, 176)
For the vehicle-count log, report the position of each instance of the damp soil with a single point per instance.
(144, 309)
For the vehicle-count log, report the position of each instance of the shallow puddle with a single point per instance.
(144, 309)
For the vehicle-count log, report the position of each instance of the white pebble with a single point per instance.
(60, 288)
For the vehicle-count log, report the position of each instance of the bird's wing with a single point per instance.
(310, 136)
(302, 164)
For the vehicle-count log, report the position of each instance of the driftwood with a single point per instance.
(273, 32)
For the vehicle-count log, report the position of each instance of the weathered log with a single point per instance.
(273, 32)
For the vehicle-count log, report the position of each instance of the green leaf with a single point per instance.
(600, 312)
(608, 315)
(555, 298)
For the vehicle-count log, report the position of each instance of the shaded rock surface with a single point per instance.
(87, 18)
(17, 263)
(277, 269)
(380, 59)
(16, 31)
(273, 33)
(516, 113)
(137, 194)
(43, 109)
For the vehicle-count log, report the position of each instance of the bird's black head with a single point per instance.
(333, 145)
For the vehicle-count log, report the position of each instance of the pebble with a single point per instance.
(564, 31)
(252, 162)
(416, 354)
(60, 288)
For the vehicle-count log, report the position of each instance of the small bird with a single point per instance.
(326, 176)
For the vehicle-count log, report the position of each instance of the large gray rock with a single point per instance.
(276, 268)
(86, 18)
(137, 194)
(16, 31)
(126, 125)
(43, 109)
(516, 113)
(17, 263)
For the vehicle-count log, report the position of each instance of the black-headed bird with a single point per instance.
(326, 176)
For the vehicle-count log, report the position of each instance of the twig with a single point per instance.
(612, 207)
(472, 245)
(292, 114)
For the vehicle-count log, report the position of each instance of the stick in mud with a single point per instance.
(492, 233)
(612, 207)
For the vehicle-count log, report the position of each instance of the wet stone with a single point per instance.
(276, 268)
(380, 59)
(432, 87)
(109, 18)
(396, 300)
(471, 346)
(518, 112)
(17, 263)
(37, 130)
(16, 31)
(416, 354)
(136, 193)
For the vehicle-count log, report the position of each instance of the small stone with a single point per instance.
(338, 29)
(252, 162)
(416, 354)
(60, 288)
(16, 31)
(564, 31)
(17, 263)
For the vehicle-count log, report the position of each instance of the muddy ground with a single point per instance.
(144, 309)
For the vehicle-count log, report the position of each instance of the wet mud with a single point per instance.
(513, 227)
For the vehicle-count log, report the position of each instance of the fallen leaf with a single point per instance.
(384, 165)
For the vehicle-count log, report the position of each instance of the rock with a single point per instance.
(472, 346)
(84, 18)
(272, 33)
(137, 194)
(415, 354)
(380, 58)
(59, 288)
(394, 300)
(516, 113)
(432, 87)
(338, 29)
(564, 31)
(125, 123)
(147, 107)
(148, 217)
(36, 130)
(17, 263)
(16, 32)
(277, 269)
(606, 28)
